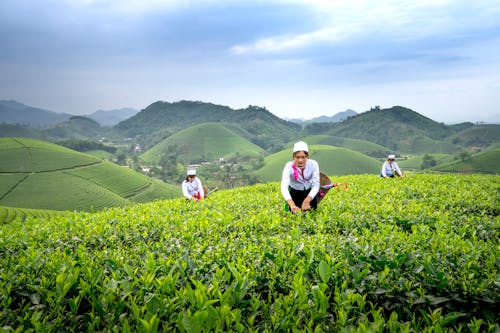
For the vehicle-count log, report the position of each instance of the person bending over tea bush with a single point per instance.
(390, 168)
(300, 180)
(192, 189)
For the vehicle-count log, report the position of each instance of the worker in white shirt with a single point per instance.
(192, 189)
(390, 168)
(300, 180)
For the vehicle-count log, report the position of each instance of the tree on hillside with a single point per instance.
(169, 165)
(464, 155)
(428, 162)
(121, 158)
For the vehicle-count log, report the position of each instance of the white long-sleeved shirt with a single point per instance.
(389, 169)
(300, 179)
(191, 188)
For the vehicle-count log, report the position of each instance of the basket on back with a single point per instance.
(323, 180)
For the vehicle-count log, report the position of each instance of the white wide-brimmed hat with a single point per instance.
(391, 157)
(300, 146)
(191, 172)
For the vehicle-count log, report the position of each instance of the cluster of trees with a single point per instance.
(86, 145)
(229, 173)
(428, 162)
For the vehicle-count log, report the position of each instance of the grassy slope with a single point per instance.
(485, 162)
(477, 136)
(41, 175)
(207, 141)
(99, 154)
(362, 146)
(331, 160)
(414, 162)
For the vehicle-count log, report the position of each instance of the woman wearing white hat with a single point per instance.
(300, 180)
(192, 189)
(390, 168)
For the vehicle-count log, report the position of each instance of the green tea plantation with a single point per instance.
(419, 254)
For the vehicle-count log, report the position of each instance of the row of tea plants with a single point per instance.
(418, 254)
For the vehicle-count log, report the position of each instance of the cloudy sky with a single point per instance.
(297, 58)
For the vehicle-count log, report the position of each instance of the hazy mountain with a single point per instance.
(112, 117)
(338, 117)
(12, 112)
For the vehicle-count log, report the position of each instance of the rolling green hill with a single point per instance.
(204, 142)
(480, 136)
(398, 128)
(362, 146)
(161, 119)
(484, 162)
(332, 161)
(40, 175)
(414, 163)
(76, 127)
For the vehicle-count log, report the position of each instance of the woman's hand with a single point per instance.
(306, 204)
(293, 208)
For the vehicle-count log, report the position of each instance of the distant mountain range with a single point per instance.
(338, 117)
(112, 117)
(12, 112)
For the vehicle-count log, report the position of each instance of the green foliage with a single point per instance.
(10, 214)
(428, 161)
(10, 130)
(86, 145)
(417, 254)
(234, 172)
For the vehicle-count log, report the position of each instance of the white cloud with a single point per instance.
(388, 20)
(282, 43)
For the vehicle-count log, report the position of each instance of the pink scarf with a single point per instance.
(295, 172)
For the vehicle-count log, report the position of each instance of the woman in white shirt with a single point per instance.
(390, 168)
(300, 180)
(192, 189)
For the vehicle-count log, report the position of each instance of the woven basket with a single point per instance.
(323, 180)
